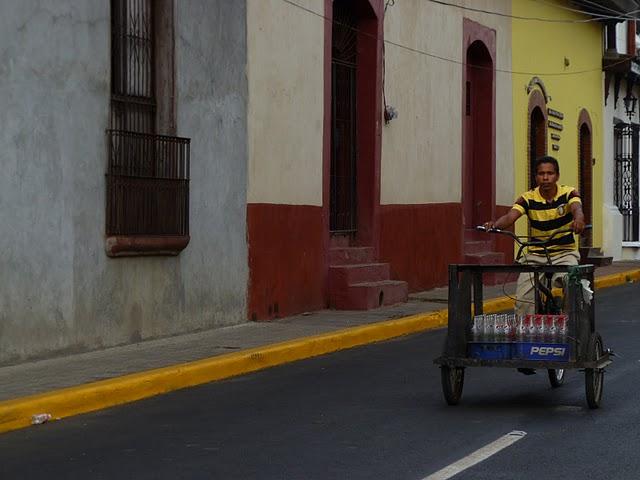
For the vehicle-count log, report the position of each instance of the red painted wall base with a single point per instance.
(420, 241)
(287, 262)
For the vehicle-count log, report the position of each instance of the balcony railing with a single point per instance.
(147, 184)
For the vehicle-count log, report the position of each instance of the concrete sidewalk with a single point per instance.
(86, 382)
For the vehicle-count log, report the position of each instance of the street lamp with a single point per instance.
(630, 104)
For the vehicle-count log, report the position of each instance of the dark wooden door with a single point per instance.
(343, 175)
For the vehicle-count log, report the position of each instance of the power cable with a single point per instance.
(445, 59)
(596, 18)
(600, 15)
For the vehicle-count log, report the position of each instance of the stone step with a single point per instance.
(594, 256)
(350, 255)
(477, 246)
(341, 276)
(484, 258)
(369, 295)
(488, 258)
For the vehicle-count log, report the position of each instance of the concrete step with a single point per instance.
(594, 256)
(341, 276)
(350, 255)
(477, 246)
(488, 258)
(370, 295)
(484, 258)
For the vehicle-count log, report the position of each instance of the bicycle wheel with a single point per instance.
(594, 377)
(556, 376)
(452, 382)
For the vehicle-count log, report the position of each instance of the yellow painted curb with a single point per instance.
(89, 397)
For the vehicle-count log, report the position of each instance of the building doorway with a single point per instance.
(479, 165)
(537, 141)
(344, 68)
(585, 181)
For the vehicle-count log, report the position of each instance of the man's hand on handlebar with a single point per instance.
(490, 225)
(578, 226)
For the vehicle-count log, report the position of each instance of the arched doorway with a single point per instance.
(479, 165)
(354, 108)
(344, 68)
(537, 133)
(585, 169)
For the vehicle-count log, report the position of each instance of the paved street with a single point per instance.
(371, 412)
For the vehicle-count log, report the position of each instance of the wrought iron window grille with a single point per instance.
(147, 174)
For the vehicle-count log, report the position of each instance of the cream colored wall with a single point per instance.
(422, 148)
(286, 93)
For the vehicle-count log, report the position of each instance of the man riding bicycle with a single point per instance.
(550, 208)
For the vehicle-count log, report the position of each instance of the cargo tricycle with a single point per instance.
(559, 336)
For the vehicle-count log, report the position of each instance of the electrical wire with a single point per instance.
(595, 17)
(445, 59)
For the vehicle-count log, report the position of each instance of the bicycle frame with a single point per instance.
(549, 305)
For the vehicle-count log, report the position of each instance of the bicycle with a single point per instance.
(545, 301)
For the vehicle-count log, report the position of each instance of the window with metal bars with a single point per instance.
(626, 138)
(147, 173)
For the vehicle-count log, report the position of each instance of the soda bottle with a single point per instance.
(539, 330)
(562, 327)
(489, 325)
(552, 328)
(509, 327)
(40, 418)
(530, 327)
(477, 329)
(521, 329)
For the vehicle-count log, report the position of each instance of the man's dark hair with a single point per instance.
(546, 159)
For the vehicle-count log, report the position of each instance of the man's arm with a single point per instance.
(505, 221)
(578, 217)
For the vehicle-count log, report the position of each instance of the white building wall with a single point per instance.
(286, 101)
(422, 148)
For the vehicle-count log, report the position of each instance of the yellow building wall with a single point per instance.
(540, 49)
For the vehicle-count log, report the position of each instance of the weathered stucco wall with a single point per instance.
(59, 289)
(422, 148)
(286, 101)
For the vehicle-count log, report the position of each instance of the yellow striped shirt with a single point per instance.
(549, 217)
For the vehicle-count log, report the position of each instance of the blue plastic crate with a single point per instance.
(490, 351)
(556, 352)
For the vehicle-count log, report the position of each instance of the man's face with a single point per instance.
(546, 176)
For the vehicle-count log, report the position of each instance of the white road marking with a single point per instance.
(477, 456)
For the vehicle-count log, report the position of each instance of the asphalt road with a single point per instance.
(375, 412)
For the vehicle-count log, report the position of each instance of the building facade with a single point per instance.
(621, 141)
(558, 102)
(107, 106)
(349, 207)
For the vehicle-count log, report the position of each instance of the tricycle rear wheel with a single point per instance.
(594, 377)
(556, 376)
(452, 383)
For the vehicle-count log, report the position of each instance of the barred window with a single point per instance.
(133, 106)
(148, 167)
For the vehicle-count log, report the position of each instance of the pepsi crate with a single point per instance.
(490, 350)
(556, 352)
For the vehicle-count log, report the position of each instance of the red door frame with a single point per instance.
(368, 114)
(585, 171)
(473, 32)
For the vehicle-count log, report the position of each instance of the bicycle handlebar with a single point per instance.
(532, 243)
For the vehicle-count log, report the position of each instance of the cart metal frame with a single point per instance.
(465, 291)
(585, 344)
